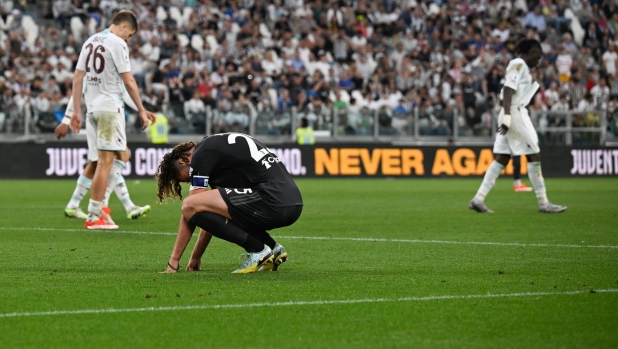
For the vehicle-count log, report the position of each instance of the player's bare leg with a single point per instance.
(538, 182)
(489, 180)
(100, 182)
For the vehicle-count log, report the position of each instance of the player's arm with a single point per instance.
(203, 239)
(128, 101)
(133, 90)
(185, 231)
(62, 129)
(78, 84)
(195, 262)
(507, 95)
(511, 80)
(121, 61)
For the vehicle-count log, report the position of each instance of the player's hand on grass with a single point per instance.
(146, 117)
(172, 267)
(61, 131)
(76, 121)
(503, 129)
(194, 265)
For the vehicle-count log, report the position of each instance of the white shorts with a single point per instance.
(105, 131)
(521, 139)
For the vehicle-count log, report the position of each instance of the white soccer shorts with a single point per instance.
(105, 131)
(521, 139)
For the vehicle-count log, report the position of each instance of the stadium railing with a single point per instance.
(574, 127)
(420, 126)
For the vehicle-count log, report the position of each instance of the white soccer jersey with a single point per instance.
(125, 96)
(521, 138)
(519, 79)
(104, 57)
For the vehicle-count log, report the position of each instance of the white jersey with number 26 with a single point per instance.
(104, 57)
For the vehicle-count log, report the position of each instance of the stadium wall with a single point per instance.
(66, 160)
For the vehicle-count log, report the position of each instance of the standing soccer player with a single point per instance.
(253, 193)
(84, 182)
(104, 63)
(516, 134)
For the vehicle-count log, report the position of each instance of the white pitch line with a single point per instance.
(417, 241)
(299, 303)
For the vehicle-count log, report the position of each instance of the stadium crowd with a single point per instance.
(265, 62)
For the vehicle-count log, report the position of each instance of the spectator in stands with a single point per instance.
(356, 46)
(195, 110)
(536, 19)
(63, 11)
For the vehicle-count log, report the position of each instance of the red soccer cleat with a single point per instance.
(106, 214)
(522, 187)
(100, 224)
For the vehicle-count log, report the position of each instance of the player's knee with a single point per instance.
(124, 156)
(188, 208)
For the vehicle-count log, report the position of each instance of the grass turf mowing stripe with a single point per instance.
(335, 238)
(293, 303)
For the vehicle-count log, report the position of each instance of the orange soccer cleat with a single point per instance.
(521, 187)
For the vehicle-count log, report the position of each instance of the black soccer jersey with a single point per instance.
(236, 160)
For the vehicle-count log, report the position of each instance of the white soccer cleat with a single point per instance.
(255, 261)
(137, 212)
(479, 206)
(551, 208)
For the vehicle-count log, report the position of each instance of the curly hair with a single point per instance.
(167, 173)
(525, 45)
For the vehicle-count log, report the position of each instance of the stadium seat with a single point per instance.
(576, 27)
(161, 15)
(186, 15)
(272, 93)
(77, 27)
(212, 42)
(345, 96)
(92, 26)
(31, 29)
(183, 40)
(356, 94)
(264, 30)
(197, 42)
(176, 15)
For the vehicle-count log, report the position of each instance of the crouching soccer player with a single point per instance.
(516, 134)
(253, 192)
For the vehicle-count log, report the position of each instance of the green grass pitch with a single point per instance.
(374, 263)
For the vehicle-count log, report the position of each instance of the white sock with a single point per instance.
(81, 188)
(122, 192)
(112, 180)
(536, 177)
(94, 210)
(517, 182)
(493, 172)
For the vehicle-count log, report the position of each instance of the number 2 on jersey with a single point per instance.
(256, 154)
(98, 57)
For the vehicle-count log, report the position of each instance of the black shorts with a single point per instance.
(249, 211)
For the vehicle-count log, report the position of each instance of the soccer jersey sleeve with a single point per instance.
(81, 61)
(120, 56)
(513, 76)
